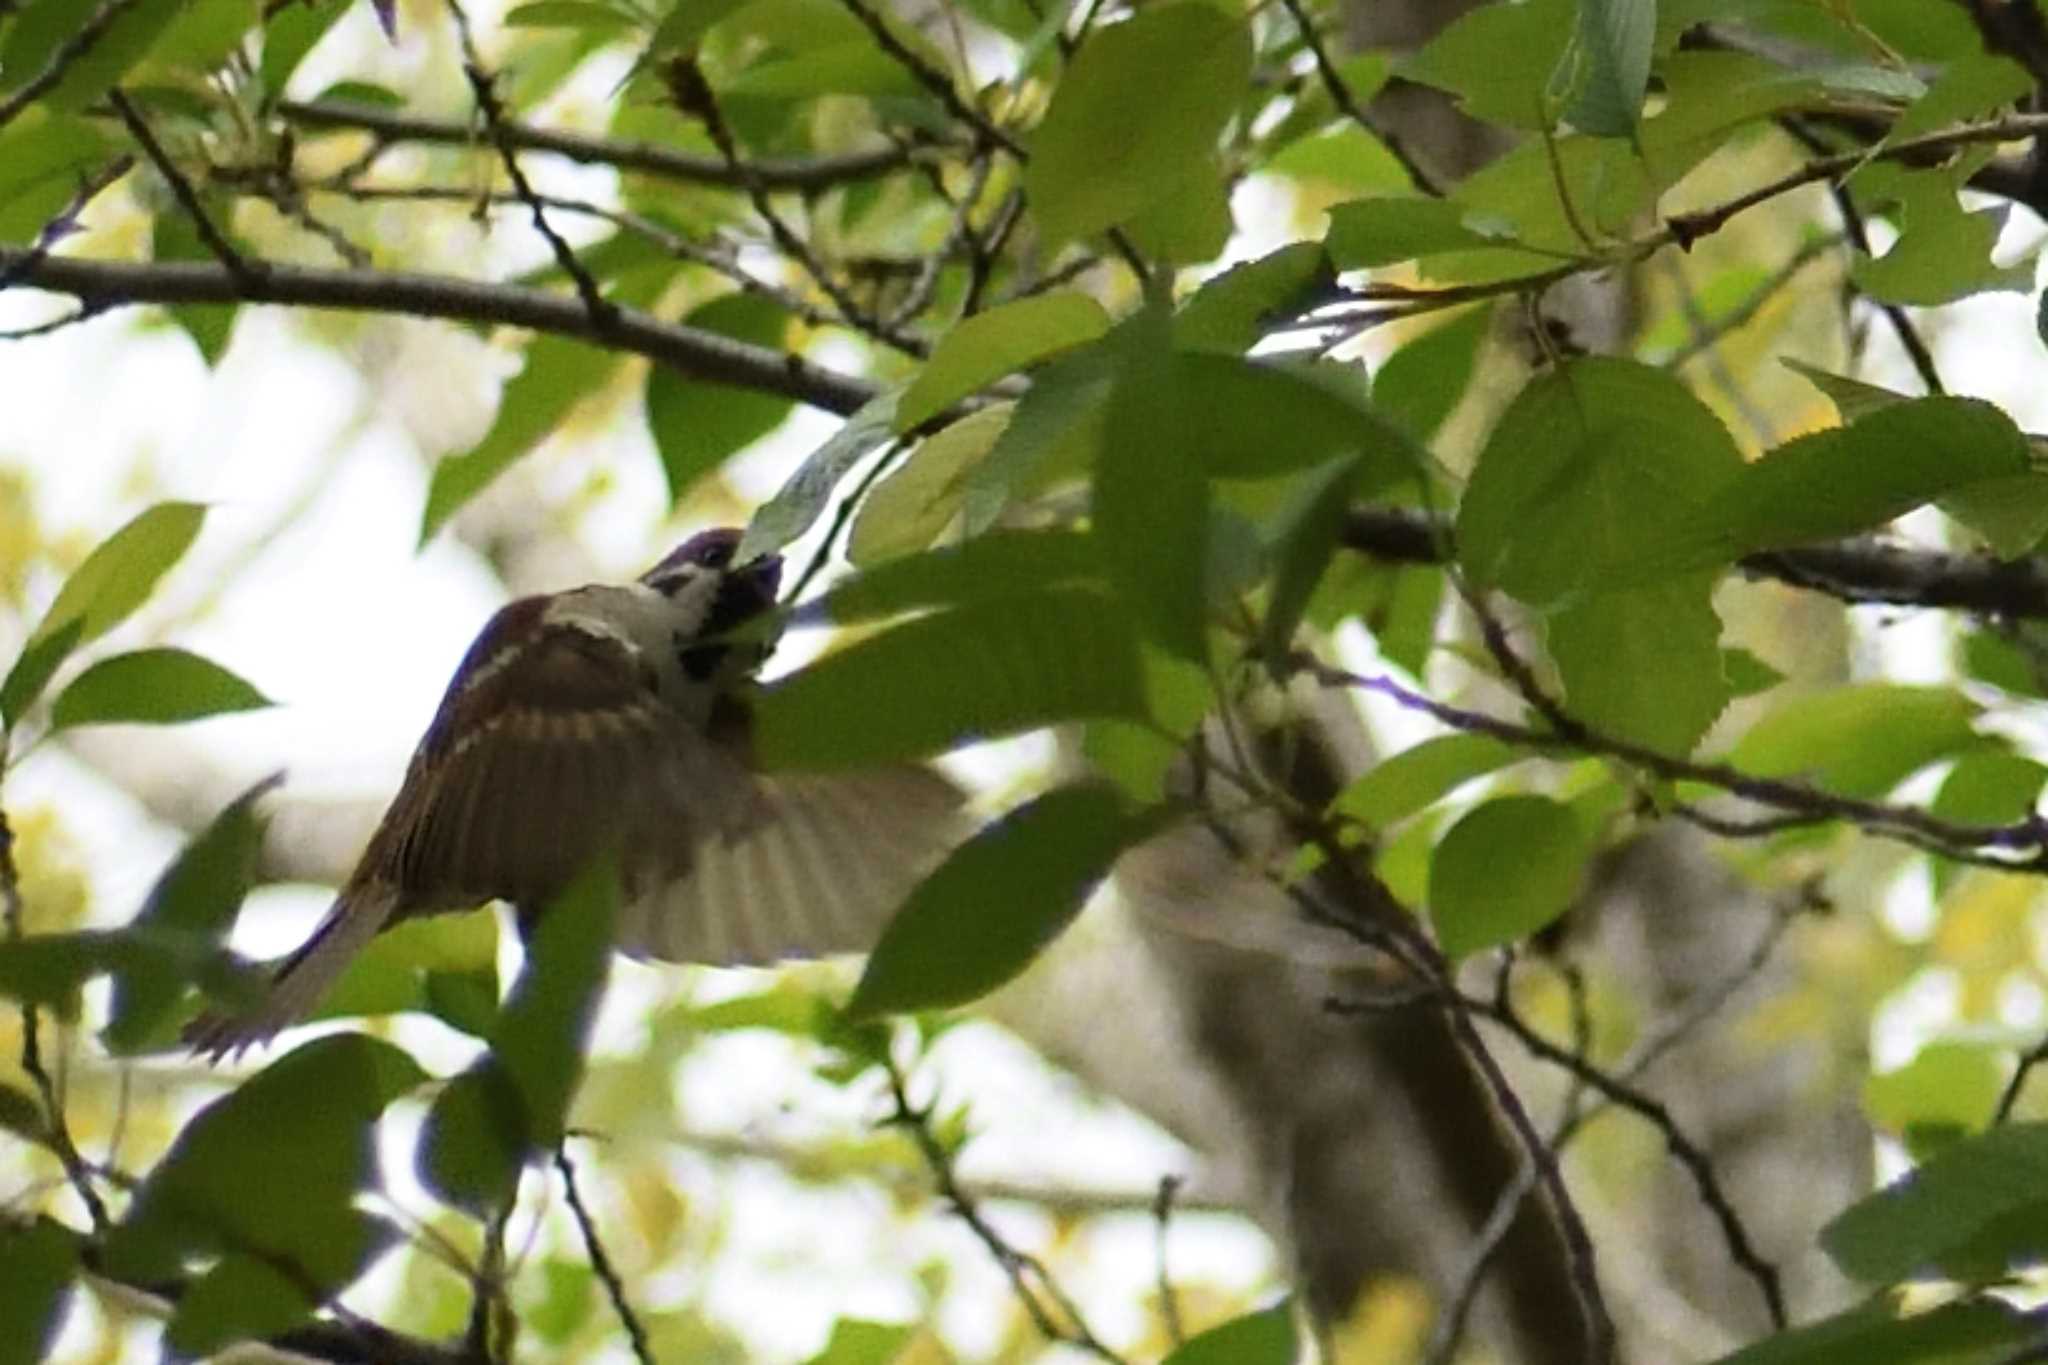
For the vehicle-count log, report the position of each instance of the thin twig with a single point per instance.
(601, 1263)
(693, 95)
(482, 87)
(56, 1132)
(1426, 180)
(701, 354)
(648, 158)
(83, 40)
(182, 189)
(1051, 1311)
(1914, 344)
(1162, 1219)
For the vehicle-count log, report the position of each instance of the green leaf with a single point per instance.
(1980, 1332)
(1949, 1089)
(1302, 539)
(268, 1173)
(288, 36)
(987, 346)
(1594, 466)
(800, 501)
(198, 896)
(696, 424)
(152, 687)
(2010, 514)
(854, 1342)
(577, 14)
(1859, 740)
(1990, 787)
(1613, 44)
(48, 969)
(1250, 419)
(1231, 311)
(43, 27)
(998, 564)
(1748, 675)
(1498, 60)
(1422, 383)
(919, 499)
(1055, 431)
(1971, 86)
(559, 373)
(1505, 870)
(997, 901)
(43, 157)
(1137, 114)
(1644, 665)
(1385, 230)
(1419, 776)
(210, 325)
(513, 1103)
(1853, 398)
(1151, 501)
(1943, 252)
(993, 667)
(1972, 1211)
(38, 1268)
(114, 580)
(444, 965)
(1852, 479)
(1188, 221)
(1266, 1337)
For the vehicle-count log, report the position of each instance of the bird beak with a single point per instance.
(765, 574)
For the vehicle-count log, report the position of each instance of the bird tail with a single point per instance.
(301, 979)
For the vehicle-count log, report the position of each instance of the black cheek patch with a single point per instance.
(740, 599)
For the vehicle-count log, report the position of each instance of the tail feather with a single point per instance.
(302, 979)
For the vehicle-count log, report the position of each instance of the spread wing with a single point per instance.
(820, 868)
(555, 746)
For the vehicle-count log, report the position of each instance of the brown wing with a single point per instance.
(552, 746)
(820, 868)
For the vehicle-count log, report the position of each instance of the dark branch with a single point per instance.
(805, 173)
(703, 355)
(1864, 570)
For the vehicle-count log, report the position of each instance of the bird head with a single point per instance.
(712, 597)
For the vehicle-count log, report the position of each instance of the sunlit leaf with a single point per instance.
(800, 500)
(114, 580)
(989, 345)
(1137, 113)
(153, 687)
(1395, 788)
(906, 511)
(1859, 740)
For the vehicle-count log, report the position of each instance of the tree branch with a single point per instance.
(701, 354)
(1863, 570)
(779, 173)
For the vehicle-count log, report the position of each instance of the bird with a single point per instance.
(617, 717)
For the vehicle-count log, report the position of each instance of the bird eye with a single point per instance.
(717, 555)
